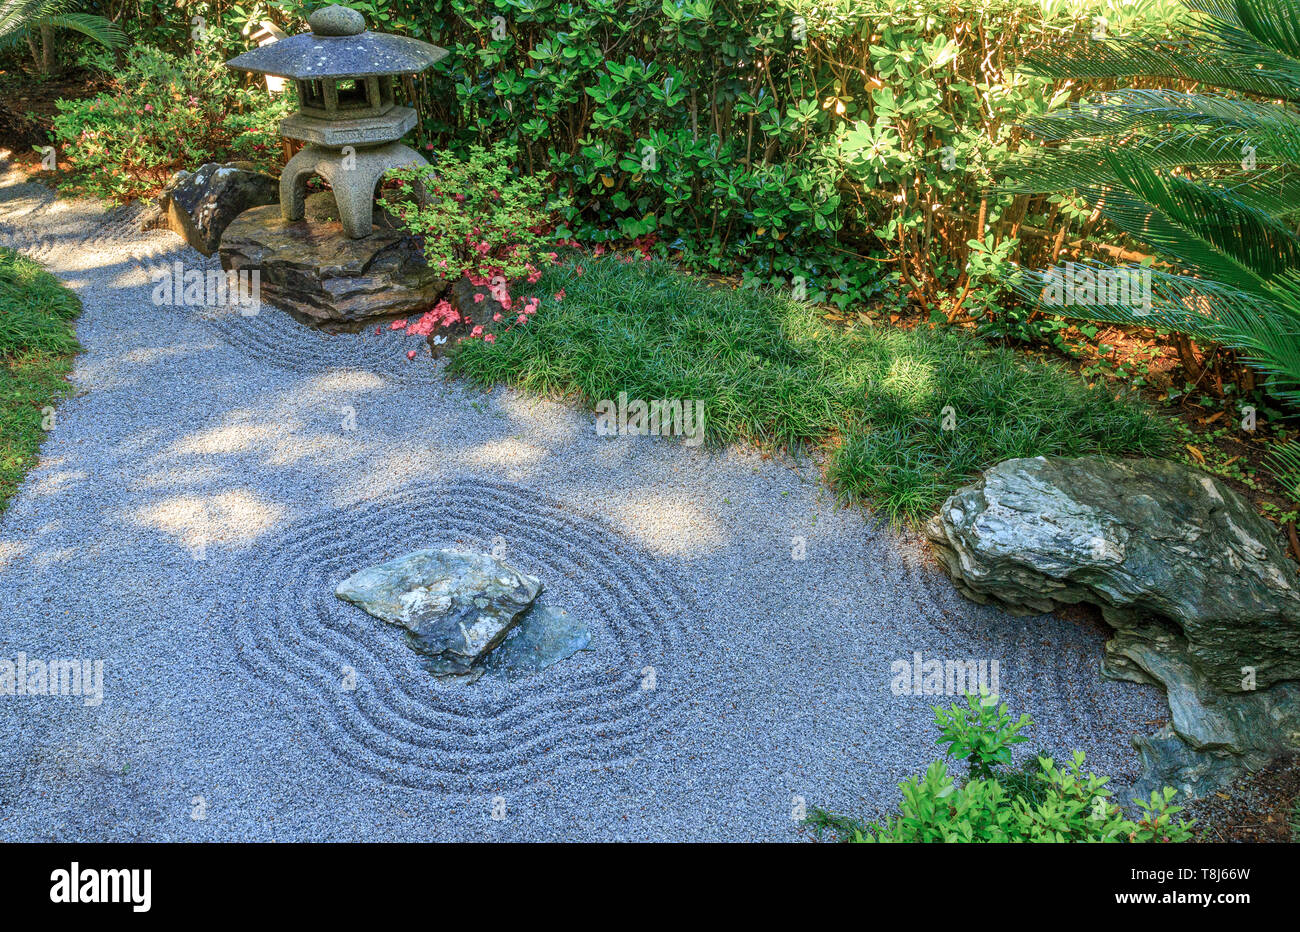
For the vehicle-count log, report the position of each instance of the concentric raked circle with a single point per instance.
(401, 725)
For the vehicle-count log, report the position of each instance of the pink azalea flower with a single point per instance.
(148, 108)
(411, 354)
(478, 298)
(477, 331)
(522, 319)
(559, 295)
(442, 315)
(398, 325)
(490, 338)
(496, 317)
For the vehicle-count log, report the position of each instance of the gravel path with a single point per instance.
(201, 496)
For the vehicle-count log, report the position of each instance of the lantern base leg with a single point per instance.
(353, 173)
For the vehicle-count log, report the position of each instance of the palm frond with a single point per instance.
(1271, 185)
(1283, 462)
(18, 17)
(94, 27)
(1260, 71)
(1263, 328)
(1270, 23)
(1272, 129)
(1205, 228)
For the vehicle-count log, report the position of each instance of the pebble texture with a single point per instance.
(216, 477)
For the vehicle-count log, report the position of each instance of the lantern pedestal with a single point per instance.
(353, 173)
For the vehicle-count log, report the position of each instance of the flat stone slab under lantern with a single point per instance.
(468, 613)
(323, 278)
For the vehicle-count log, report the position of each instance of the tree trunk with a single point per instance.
(48, 57)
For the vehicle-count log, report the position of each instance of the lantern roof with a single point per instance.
(338, 46)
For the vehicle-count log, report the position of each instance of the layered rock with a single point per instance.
(198, 206)
(1201, 597)
(313, 270)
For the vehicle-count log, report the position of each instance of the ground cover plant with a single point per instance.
(1040, 802)
(906, 416)
(37, 344)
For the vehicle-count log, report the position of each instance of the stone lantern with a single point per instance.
(347, 118)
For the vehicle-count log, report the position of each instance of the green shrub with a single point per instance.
(1060, 804)
(166, 112)
(837, 146)
(982, 733)
(477, 216)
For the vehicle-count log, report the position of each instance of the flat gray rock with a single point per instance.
(456, 606)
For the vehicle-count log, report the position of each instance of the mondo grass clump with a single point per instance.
(35, 309)
(906, 416)
(37, 344)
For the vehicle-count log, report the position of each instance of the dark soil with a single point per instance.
(1261, 808)
(27, 106)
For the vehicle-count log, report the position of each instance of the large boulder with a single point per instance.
(1202, 599)
(199, 205)
(316, 272)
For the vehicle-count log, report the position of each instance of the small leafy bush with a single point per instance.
(982, 734)
(1043, 802)
(481, 220)
(166, 112)
(477, 215)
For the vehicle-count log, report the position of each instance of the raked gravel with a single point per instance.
(216, 476)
